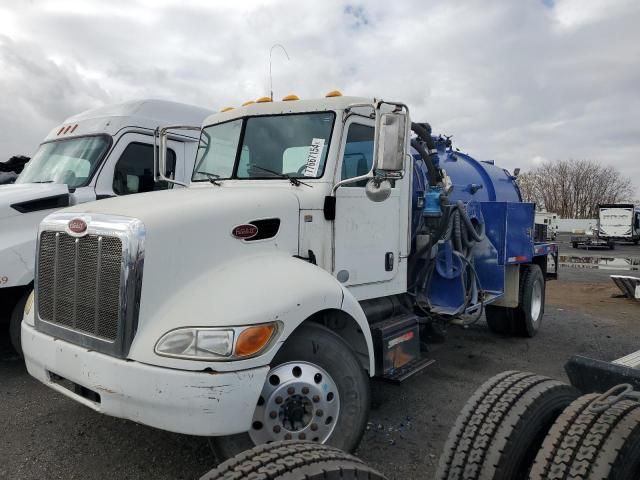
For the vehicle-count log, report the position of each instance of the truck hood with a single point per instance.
(26, 192)
(189, 241)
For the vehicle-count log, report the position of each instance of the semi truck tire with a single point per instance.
(292, 460)
(499, 430)
(525, 319)
(587, 445)
(15, 323)
(316, 390)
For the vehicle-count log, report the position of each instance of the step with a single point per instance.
(412, 368)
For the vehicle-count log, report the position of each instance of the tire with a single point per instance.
(498, 319)
(587, 445)
(293, 461)
(342, 409)
(499, 430)
(15, 323)
(574, 244)
(525, 319)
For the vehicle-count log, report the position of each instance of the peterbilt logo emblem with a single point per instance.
(245, 232)
(77, 226)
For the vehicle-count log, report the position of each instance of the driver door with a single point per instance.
(366, 233)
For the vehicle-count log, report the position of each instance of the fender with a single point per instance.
(351, 306)
(273, 286)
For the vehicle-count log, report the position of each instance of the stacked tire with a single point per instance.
(291, 460)
(519, 425)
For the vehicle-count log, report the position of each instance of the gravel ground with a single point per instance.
(45, 435)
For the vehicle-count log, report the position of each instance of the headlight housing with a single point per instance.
(224, 343)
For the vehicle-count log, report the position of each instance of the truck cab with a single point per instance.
(318, 243)
(101, 153)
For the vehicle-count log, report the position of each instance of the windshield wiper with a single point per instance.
(212, 177)
(294, 181)
(43, 181)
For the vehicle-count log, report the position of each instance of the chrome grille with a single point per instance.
(79, 282)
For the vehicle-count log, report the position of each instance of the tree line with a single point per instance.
(574, 188)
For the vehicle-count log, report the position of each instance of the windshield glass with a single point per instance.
(295, 145)
(71, 161)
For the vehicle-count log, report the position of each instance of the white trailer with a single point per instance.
(619, 222)
(101, 153)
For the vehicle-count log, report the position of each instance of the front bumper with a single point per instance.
(194, 403)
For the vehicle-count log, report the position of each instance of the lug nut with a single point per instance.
(319, 413)
(314, 427)
(302, 436)
(278, 400)
(305, 390)
(273, 414)
(291, 390)
(316, 399)
(276, 429)
(287, 436)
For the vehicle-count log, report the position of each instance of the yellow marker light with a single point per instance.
(264, 100)
(254, 339)
(248, 103)
(333, 93)
(290, 98)
(227, 109)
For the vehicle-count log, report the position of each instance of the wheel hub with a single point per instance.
(299, 401)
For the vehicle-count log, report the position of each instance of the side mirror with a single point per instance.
(378, 189)
(391, 134)
(160, 138)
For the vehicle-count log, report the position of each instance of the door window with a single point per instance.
(134, 170)
(358, 153)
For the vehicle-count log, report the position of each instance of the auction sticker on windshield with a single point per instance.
(313, 158)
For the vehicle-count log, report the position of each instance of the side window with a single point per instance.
(134, 170)
(358, 153)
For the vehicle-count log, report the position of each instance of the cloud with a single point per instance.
(511, 81)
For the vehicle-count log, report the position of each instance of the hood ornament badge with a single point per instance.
(77, 227)
(245, 231)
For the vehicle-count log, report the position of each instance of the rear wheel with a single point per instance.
(293, 461)
(500, 429)
(525, 319)
(590, 445)
(316, 390)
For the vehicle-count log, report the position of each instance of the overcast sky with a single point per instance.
(515, 81)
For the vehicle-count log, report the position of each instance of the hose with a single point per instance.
(433, 174)
(423, 130)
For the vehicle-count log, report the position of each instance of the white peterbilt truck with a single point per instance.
(99, 153)
(318, 243)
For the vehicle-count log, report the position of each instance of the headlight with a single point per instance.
(216, 343)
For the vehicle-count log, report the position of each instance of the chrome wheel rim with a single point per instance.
(536, 302)
(299, 401)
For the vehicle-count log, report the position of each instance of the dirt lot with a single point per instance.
(45, 435)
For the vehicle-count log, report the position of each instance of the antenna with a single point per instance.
(270, 75)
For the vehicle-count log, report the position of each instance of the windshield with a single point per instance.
(294, 145)
(71, 161)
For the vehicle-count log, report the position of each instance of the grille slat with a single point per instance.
(79, 283)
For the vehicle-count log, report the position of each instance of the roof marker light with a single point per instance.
(290, 98)
(60, 131)
(250, 102)
(333, 93)
(226, 109)
(74, 128)
(264, 100)
(66, 130)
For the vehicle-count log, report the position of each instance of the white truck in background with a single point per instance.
(549, 219)
(100, 153)
(619, 222)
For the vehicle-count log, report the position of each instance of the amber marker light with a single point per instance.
(253, 339)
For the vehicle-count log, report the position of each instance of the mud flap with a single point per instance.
(590, 375)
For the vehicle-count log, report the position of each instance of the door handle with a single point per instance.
(388, 261)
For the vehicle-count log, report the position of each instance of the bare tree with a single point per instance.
(574, 188)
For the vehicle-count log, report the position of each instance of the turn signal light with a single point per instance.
(253, 339)
(248, 103)
(333, 93)
(264, 100)
(290, 98)
(226, 109)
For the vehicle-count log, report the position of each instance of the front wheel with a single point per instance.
(15, 323)
(316, 390)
